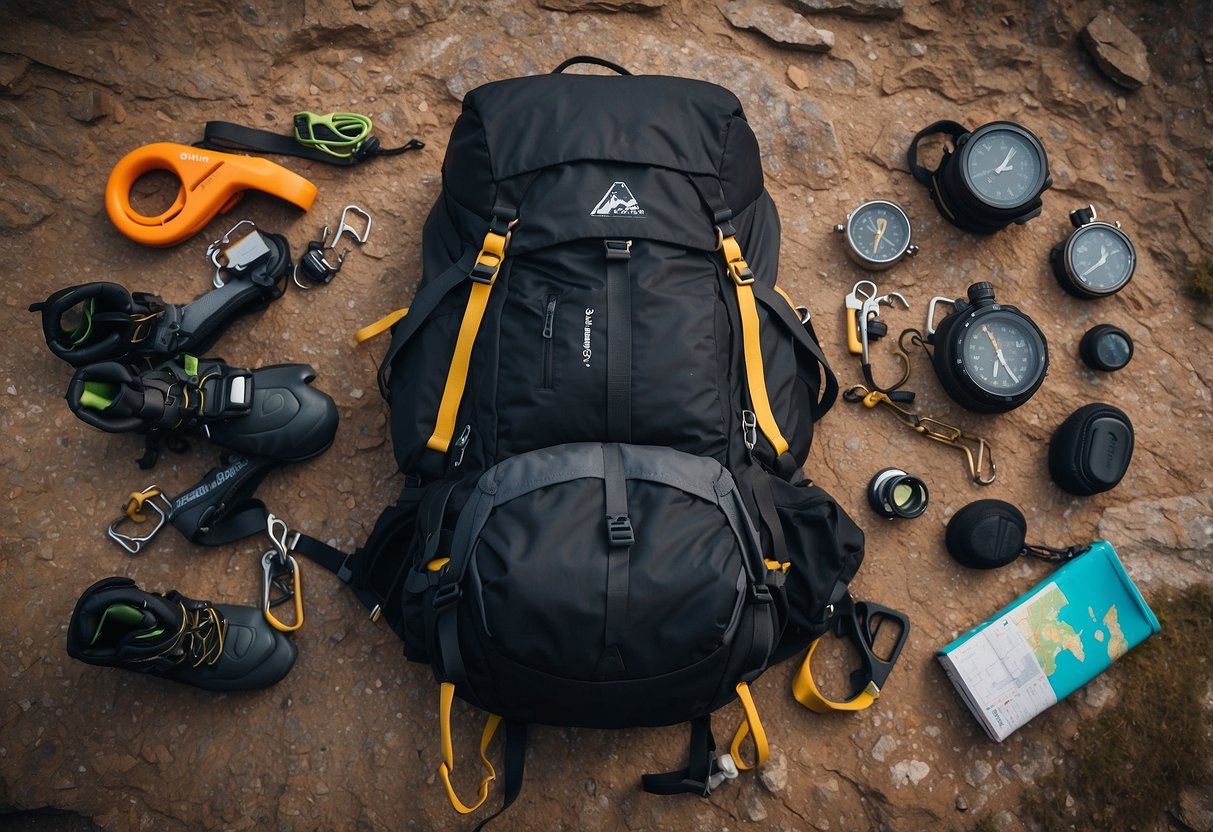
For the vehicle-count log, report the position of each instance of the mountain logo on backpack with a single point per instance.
(618, 202)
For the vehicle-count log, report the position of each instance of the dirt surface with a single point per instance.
(349, 739)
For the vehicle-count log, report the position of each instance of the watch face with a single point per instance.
(1003, 167)
(878, 231)
(1001, 353)
(1100, 258)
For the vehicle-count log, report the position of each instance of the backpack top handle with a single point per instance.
(589, 59)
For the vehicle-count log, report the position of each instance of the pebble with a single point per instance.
(774, 775)
(917, 49)
(962, 804)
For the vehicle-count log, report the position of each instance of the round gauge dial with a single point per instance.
(878, 232)
(1106, 347)
(1100, 258)
(1003, 167)
(1001, 354)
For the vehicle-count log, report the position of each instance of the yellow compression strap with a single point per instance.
(751, 343)
(751, 724)
(804, 689)
(492, 255)
(382, 325)
(447, 696)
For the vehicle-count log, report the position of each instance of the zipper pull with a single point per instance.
(461, 444)
(548, 317)
(749, 429)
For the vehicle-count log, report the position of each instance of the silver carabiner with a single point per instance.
(344, 227)
(148, 496)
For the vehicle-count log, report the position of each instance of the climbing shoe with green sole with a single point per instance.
(212, 646)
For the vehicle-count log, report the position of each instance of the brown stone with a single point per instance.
(798, 77)
(88, 107)
(602, 5)
(12, 67)
(779, 25)
(887, 9)
(1117, 52)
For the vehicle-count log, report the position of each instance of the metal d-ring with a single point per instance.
(344, 227)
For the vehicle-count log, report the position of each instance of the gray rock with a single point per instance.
(781, 26)
(754, 810)
(884, 746)
(891, 145)
(962, 805)
(774, 775)
(1178, 526)
(602, 5)
(88, 107)
(909, 773)
(887, 9)
(1117, 52)
(978, 772)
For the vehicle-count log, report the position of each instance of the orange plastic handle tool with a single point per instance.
(211, 183)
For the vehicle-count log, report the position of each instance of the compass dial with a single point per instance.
(878, 232)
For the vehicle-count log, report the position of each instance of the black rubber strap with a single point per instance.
(619, 341)
(223, 135)
(589, 59)
(701, 764)
(953, 129)
(220, 507)
(620, 537)
(515, 767)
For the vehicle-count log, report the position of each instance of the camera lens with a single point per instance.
(894, 493)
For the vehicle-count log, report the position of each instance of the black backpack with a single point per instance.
(602, 408)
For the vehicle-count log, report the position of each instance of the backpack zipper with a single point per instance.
(549, 317)
(461, 444)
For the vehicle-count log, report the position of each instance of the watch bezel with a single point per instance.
(962, 158)
(1068, 260)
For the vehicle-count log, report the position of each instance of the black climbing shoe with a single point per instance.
(273, 412)
(104, 322)
(210, 646)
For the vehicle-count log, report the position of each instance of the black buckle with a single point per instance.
(760, 594)
(860, 623)
(618, 249)
(484, 274)
(619, 530)
(446, 595)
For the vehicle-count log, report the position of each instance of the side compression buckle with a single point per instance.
(619, 530)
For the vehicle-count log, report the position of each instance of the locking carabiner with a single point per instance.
(280, 572)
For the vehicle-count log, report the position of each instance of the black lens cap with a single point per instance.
(1105, 348)
(986, 534)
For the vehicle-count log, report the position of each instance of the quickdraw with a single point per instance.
(977, 450)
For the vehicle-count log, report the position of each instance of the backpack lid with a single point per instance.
(521, 125)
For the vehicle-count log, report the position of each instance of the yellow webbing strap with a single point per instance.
(804, 689)
(492, 255)
(382, 325)
(750, 725)
(447, 696)
(751, 343)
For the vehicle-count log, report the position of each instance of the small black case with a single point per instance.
(986, 534)
(1090, 452)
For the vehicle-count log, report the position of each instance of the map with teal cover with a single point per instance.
(1050, 641)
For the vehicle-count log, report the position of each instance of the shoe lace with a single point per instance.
(200, 639)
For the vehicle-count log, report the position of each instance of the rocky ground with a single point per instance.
(349, 739)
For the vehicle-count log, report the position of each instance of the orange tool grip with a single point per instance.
(211, 183)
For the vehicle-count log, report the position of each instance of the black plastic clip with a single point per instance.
(619, 530)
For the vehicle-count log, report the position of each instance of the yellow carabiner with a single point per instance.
(273, 571)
